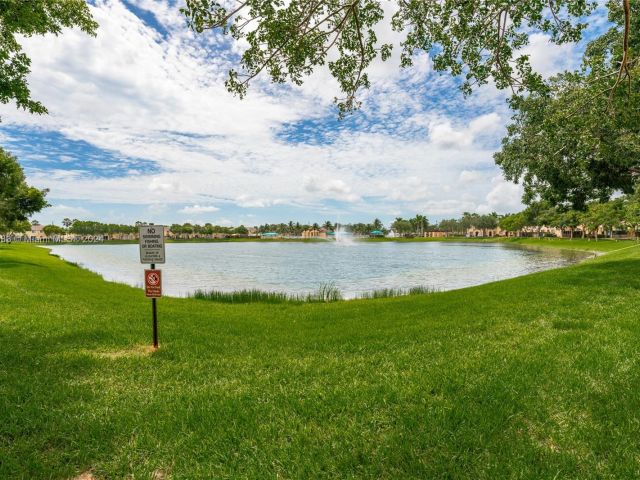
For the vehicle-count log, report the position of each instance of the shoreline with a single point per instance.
(477, 240)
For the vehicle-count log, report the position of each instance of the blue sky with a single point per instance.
(142, 128)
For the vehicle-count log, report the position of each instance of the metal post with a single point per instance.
(155, 317)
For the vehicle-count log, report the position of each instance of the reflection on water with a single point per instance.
(302, 267)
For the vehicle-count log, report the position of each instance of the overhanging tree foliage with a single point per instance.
(478, 40)
(25, 18)
(17, 199)
(580, 141)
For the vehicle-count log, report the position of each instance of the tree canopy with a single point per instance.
(580, 140)
(17, 199)
(478, 40)
(25, 18)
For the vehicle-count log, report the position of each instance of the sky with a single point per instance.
(141, 127)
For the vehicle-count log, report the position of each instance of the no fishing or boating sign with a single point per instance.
(152, 244)
(152, 251)
(153, 283)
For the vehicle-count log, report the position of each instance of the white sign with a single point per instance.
(152, 244)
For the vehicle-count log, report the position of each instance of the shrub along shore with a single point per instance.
(533, 377)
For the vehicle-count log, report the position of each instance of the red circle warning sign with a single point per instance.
(153, 283)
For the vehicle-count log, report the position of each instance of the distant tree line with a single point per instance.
(415, 226)
(93, 228)
(621, 214)
(88, 227)
(206, 229)
(295, 229)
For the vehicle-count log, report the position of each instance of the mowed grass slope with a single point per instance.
(535, 377)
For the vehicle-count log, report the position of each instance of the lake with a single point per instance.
(302, 267)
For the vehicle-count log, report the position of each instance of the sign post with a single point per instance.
(152, 244)
(152, 252)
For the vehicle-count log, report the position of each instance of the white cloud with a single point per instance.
(157, 208)
(224, 222)
(444, 135)
(246, 201)
(61, 210)
(330, 188)
(547, 58)
(161, 98)
(504, 197)
(471, 176)
(195, 209)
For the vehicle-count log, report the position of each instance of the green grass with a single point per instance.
(535, 377)
(243, 296)
(325, 293)
(396, 292)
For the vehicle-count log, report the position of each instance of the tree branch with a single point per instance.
(624, 64)
(305, 32)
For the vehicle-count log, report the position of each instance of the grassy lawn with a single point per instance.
(535, 377)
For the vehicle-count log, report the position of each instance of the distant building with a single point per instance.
(475, 232)
(36, 233)
(543, 231)
(436, 234)
(125, 236)
(315, 233)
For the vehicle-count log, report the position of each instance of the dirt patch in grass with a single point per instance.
(134, 351)
(85, 476)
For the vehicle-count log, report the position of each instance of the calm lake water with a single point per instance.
(303, 267)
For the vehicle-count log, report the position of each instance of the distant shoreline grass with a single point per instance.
(325, 293)
(601, 245)
(198, 240)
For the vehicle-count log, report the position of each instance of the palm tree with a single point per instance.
(421, 224)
